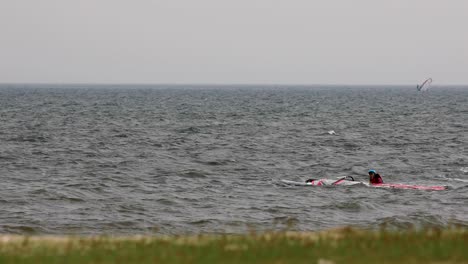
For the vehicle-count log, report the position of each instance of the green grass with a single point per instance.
(335, 246)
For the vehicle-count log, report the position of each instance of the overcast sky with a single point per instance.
(235, 41)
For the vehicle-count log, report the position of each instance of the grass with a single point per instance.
(344, 245)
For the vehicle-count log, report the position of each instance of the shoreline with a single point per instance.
(331, 233)
(339, 245)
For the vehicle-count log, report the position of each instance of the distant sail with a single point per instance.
(425, 85)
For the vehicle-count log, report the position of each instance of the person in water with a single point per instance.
(374, 177)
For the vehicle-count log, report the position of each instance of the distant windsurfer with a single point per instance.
(374, 177)
(425, 85)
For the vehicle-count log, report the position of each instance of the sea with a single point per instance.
(89, 159)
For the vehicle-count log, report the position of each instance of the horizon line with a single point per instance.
(214, 84)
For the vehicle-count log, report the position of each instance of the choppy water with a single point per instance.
(176, 160)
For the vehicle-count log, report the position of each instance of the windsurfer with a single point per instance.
(374, 177)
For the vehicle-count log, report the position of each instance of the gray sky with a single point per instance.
(235, 41)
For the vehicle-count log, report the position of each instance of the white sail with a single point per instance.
(424, 86)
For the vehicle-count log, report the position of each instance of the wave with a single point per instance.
(452, 179)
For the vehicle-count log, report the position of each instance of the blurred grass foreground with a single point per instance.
(344, 245)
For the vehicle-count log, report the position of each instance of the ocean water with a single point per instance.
(127, 159)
